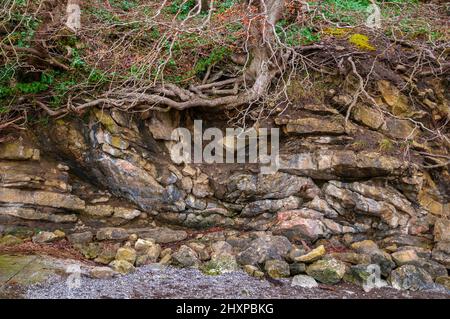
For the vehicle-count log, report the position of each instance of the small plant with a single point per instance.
(385, 145)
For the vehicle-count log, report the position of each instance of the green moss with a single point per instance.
(361, 41)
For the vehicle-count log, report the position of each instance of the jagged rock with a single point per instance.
(108, 149)
(106, 252)
(442, 230)
(295, 252)
(127, 254)
(245, 187)
(444, 280)
(318, 126)
(404, 257)
(295, 226)
(397, 102)
(220, 263)
(327, 271)
(10, 240)
(221, 248)
(122, 266)
(200, 249)
(352, 258)
(111, 233)
(186, 184)
(264, 248)
(47, 237)
(313, 255)
(345, 198)
(441, 253)
(18, 151)
(36, 214)
(102, 272)
(126, 213)
(335, 164)
(142, 245)
(407, 240)
(99, 210)
(432, 267)
(410, 277)
(368, 116)
(304, 281)
(364, 275)
(297, 268)
(270, 206)
(196, 203)
(41, 198)
(253, 271)
(149, 255)
(186, 257)
(201, 187)
(321, 205)
(384, 260)
(166, 259)
(277, 268)
(80, 238)
(161, 235)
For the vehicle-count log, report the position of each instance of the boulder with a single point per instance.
(295, 226)
(80, 238)
(313, 255)
(444, 281)
(327, 271)
(102, 272)
(352, 258)
(41, 198)
(111, 233)
(441, 253)
(127, 254)
(186, 257)
(297, 268)
(270, 206)
(10, 240)
(364, 275)
(316, 126)
(122, 266)
(45, 237)
(304, 281)
(410, 277)
(404, 257)
(161, 235)
(245, 187)
(16, 150)
(277, 268)
(442, 230)
(264, 248)
(330, 164)
(253, 271)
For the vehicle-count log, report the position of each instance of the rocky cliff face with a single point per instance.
(110, 176)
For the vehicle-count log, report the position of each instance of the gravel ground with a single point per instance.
(152, 282)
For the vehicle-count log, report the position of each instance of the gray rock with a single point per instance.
(304, 281)
(327, 271)
(297, 268)
(264, 248)
(441, 253)
(410, 277)
(277, 268)
(111, 233)
(80, 238)
(161, 235)
(186, 257)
